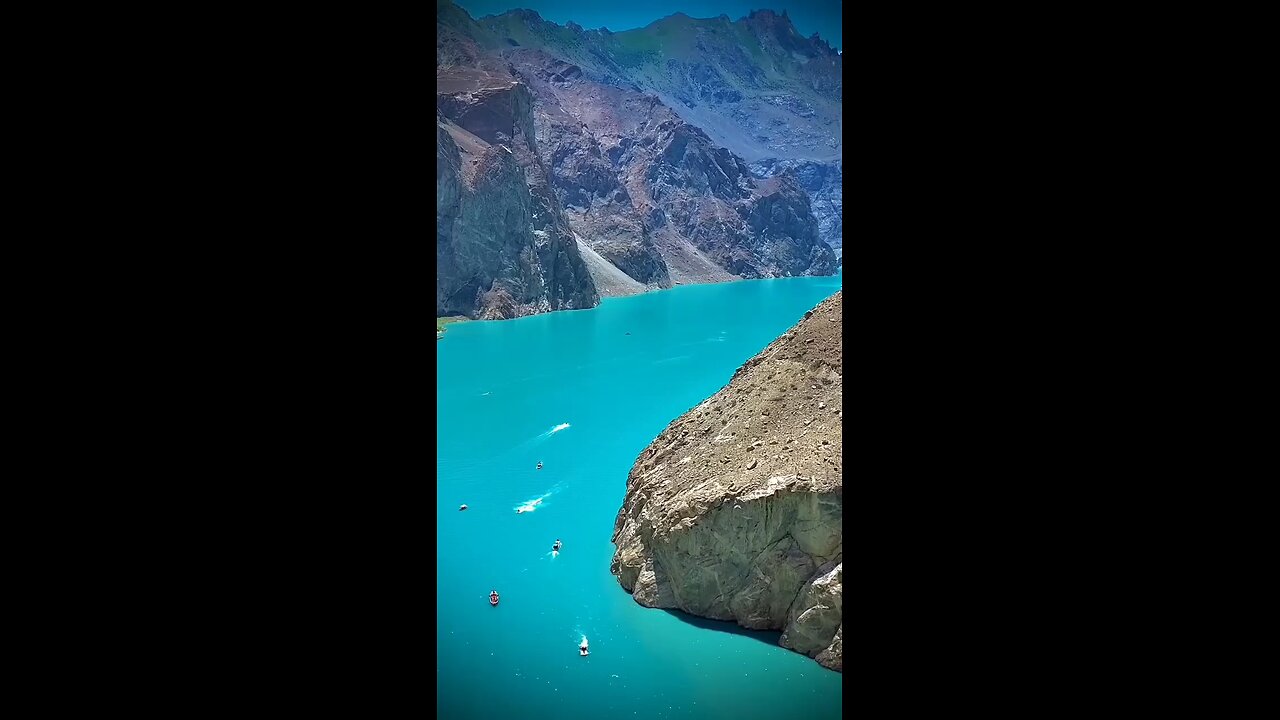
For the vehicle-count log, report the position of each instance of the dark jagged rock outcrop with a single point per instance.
(824, 183)
(503, 246)
(735, 511)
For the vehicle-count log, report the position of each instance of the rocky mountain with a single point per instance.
(735, 511)
(754, 85)
(824, 182)
(632, 188)
(503, 246)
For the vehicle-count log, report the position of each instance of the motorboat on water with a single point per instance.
(493, 598)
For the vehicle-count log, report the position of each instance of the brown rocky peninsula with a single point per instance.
(734, 512)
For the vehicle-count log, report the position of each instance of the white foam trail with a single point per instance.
(532, 505)
(543, 435)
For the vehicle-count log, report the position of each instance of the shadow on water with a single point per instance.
(769, 637)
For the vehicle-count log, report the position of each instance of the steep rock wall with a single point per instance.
(503, 246)
(735, 511)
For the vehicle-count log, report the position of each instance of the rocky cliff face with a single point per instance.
(503, 246)
(582, 162)
(735, 511)
(647, 198)
(654, 195)
(824, 183)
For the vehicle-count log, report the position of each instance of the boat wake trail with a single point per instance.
(528, 506)
(541, 437)
(536, 440)
(534, 503)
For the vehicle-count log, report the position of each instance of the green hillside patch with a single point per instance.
(634, 48)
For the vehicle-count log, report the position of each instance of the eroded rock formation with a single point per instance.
(503, 246)
(824, 182)
(735, 511)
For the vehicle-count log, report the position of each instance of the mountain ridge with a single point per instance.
(635, 178)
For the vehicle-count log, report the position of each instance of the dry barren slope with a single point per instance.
(734, 512)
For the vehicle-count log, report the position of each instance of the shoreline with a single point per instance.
(603, 300)
(442, 323)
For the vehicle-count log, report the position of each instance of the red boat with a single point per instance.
(493, 598)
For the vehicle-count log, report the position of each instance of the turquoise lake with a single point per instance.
(503, 387)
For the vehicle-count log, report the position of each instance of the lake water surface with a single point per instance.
(576, 392)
